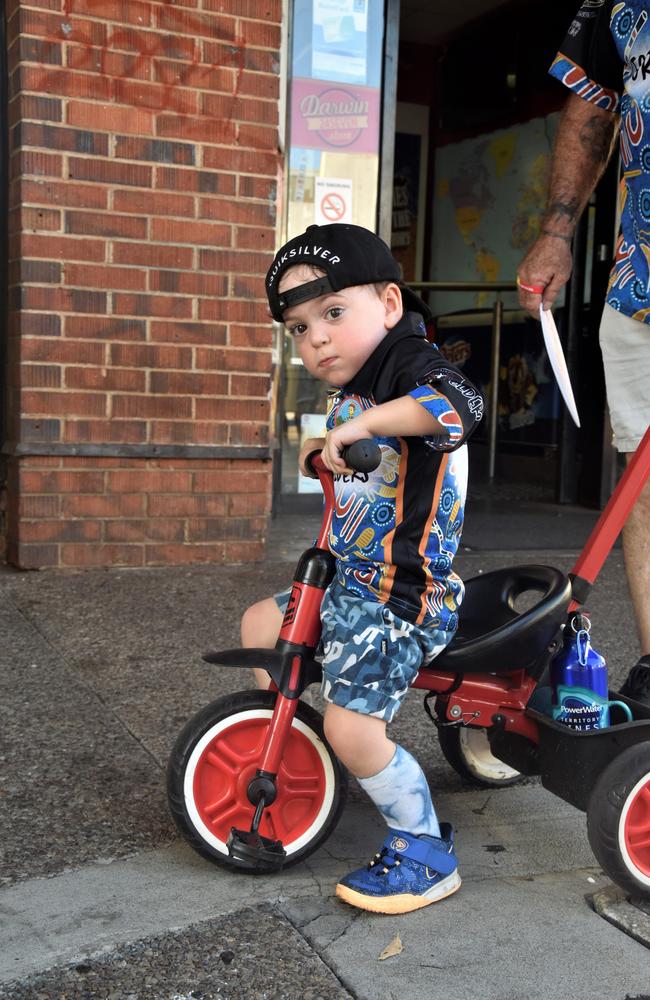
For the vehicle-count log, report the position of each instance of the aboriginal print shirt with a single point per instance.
(605, 59)
(395, 531)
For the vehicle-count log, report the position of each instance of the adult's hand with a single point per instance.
(547, 267)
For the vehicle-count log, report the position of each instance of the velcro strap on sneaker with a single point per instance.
(435, 854)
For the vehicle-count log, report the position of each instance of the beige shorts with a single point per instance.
(625, 343)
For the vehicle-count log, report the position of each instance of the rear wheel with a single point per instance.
(618, 820)
(216, 756)
(468, 751)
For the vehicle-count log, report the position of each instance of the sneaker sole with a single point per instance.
(403, 903)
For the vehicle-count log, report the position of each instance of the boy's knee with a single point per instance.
(261, 623)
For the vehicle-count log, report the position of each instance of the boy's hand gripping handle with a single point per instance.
(363, 456)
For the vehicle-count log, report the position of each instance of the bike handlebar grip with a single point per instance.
(363, 455)
(309, 465)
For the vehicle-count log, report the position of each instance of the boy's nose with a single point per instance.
(319, 334)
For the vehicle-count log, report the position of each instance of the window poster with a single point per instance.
(339, 40)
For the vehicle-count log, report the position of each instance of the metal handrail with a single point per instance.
(497, 323)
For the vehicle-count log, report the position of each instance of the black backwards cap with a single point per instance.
(349, 255)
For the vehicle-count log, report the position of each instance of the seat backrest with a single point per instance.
(493, 636)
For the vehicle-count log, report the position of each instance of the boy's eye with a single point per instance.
(298, 330)
(334, 312)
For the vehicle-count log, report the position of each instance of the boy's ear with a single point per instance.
(392, 299)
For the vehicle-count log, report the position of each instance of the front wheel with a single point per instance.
(468, 751)
(618, 820)
(216, 756)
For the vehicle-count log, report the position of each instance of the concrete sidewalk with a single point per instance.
(100, 898)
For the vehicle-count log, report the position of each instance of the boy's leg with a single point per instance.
(416, 864)
(260, 627)
(388, 773)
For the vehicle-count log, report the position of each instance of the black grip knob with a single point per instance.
(364, 455)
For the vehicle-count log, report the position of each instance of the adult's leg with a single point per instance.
(636, 548)
(260, 627)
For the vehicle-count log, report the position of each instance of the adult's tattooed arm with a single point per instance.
(583, 145)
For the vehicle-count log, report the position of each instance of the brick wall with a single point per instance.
(143, 184)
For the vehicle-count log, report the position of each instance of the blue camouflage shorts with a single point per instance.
(370, 656)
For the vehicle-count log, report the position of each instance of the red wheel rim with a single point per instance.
(226, 766)
(637, 829)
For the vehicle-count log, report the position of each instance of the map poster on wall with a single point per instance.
(489, 199)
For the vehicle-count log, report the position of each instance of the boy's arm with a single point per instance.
(403, 417)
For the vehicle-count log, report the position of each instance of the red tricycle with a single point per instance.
(253, 785)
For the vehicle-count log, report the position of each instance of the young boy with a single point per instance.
(394, 600)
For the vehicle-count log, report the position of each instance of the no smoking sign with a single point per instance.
(332, 200)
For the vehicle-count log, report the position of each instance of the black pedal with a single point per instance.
(253, 852)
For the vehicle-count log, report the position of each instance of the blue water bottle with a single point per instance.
(579, 681)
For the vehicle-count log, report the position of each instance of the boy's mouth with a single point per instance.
(326, 362)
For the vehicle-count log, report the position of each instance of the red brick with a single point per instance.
(201, 129)
(56, 137)
(158, 150)
(105, 224)
(262, 188)
(234, 108)
(60, 531)
(109, 505)
(179, 73)
(105, 431)
(227, 210)
(59, 81)
(196, 233)
(251, 238)
(148, 406)
(152, 255)
(38, 506)
(110, 118)
(108, 379)
(62, 247)
(62, 351)
(64, 403)
(91, 276)
(188, 333)
(247, 287)
(235, 261)
(231, 409)
(181, 22)
(249, 385)
(243, 161)
(187, 432)
(244, 57)
(189, 283)
(169, 530)
(122, 11)
(232, 360)
(33, 106)
(153, 203)
(40, 376)
(67, 194)
(105, 327)
(29, 162)
(102, 555)
(259, 34)
(251, 336)
(62, 481)
(38, 219)
(155, 96)
(206, 182)
(84, 31)
(151, 356)
(188, 383)
(245, 504)
(248, 433)
(216, 529)
(151, 305)
(63, 299)
(108, 172)
(237, 482)
(37, 324)
(27, 556)
(233, 311)
(149, 481)
(258, 136)
(188, 505)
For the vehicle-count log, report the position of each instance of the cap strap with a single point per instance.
(310, 290)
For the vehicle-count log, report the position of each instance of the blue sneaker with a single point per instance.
(409, 872)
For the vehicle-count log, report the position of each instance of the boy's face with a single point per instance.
(336, 333)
